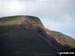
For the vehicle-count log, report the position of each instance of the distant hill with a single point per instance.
(62, 38)
(26, 36)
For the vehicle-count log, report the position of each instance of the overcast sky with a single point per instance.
(57, 15)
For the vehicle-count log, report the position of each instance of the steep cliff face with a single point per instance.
(26, 36)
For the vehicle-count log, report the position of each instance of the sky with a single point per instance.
(56, 15)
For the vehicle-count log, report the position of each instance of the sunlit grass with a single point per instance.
(10, 21)
(68, 39)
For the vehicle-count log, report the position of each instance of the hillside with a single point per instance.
(26, 36)
(62, 38)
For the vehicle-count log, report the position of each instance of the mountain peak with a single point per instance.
(20, 19)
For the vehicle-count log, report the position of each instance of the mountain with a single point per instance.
(26, 36)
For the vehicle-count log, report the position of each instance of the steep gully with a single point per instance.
(44, 38)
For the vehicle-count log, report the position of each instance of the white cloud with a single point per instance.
(55, 14)
(64, 23)
(10, 7)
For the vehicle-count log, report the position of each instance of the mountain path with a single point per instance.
(18, 25)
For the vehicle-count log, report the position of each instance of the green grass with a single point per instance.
(20, 41)
(10, 21)
(70, 41)
(15, 39)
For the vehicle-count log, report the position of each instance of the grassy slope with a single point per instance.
(14, 20)
(70, 41)
(20, 40)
